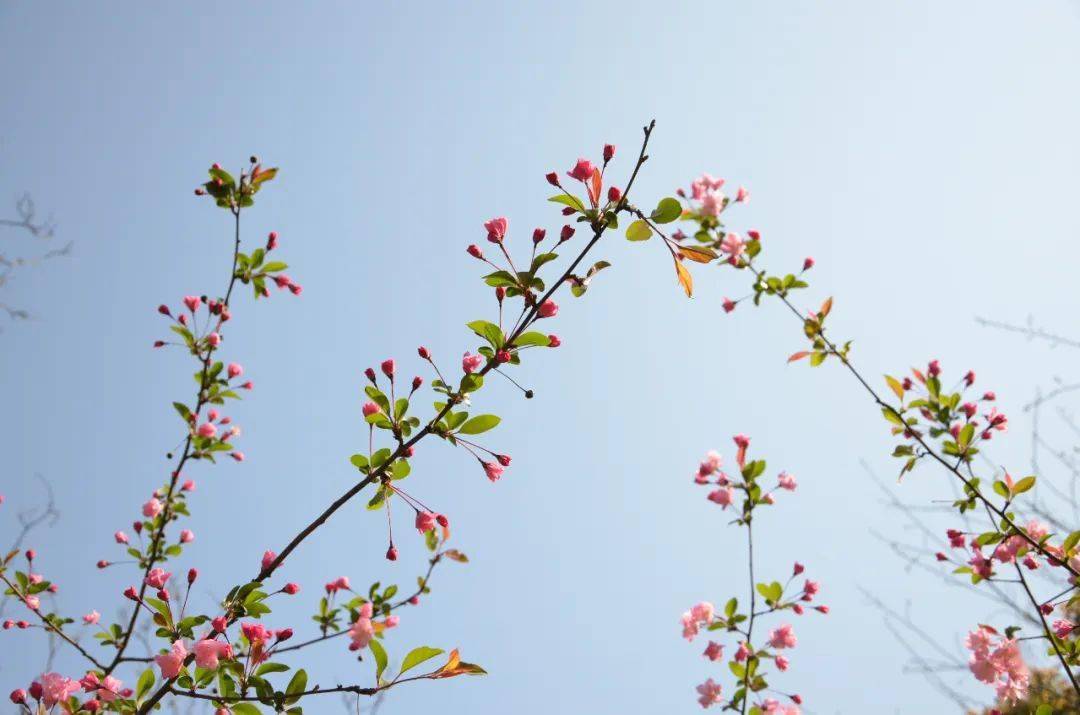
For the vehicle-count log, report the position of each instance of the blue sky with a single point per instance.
(924, 153)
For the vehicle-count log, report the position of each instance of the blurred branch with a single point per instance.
(1030, 331)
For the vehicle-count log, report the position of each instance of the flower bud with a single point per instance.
(370, 374)
(291, 588)
(423, 352)
(271, 241)
(538, 235)
(192, 574)
(474, 251)
(417, 382)
(807, 263)
(442, 520)
(18, 696)
(552, 178)
(566, 232)
(219, 624)
(387, 367)
(391, 553)
(609, 152)
(131, 593)
(554, 341)
(504, 459)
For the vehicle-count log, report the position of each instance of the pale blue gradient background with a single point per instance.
(925, 153)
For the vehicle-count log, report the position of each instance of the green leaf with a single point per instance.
(296, 685)
(271, 668)
(638, 231)
(1044, 709)
(244, 709)
(417, 656)
(1002, 489)
(1023, 485)
(146, 681)
(479, 424)
(380, 658)
(541, 260)
(488, 331)
(532, 338)
(568, 200)
(667, 210)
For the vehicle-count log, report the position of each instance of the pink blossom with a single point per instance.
(548, 309)
(729, 305)
(689, 626)
(187, 536)
(722, 496)
(256, 633)
(425, 521)
(235, 370)
(733, 246)
(496, 229)
(782, 637)
(781, 663)
(152, 508)
(787, 481)
(56, 688)
(742, 196)
(171, 662)
(207, 429)
(32, 602)
(91, 618)
(156, 578)
(369, 409)
(705, 183)
(493, 470)
(268, 558)
(582, 171)
(703, 612)
(708, 693)
(742, 653)
(363, 630)
(714, 651)
(1063, 627)
(471, 363)
(712, 203)
(997, 661)
(208, 651)
(121, 537)
(191, 302)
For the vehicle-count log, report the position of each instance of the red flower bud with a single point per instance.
(613, 194)
(566, 233)
(391, 553)
(18, 696)
(474, 251)
(370, 373)
(271, 241)
(103, 564)
(388, 368)
(131, 593)
(552, 178)
(423, 352)
(414, 600)
(443, 521)
(291, 588)
(609, 151)
(36, 690)
(417, 382)
(192, 574)
(538, 235)
(30, 554)
(754, 234)
(164, 310)
(504, 459)
(285, 634)
(503, 356)
(808, 263)
(554, 341)
(219, 624)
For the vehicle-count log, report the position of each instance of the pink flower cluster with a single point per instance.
(997, 661)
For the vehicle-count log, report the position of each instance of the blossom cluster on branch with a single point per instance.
(229, 656)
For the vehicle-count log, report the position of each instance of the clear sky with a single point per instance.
(925, 153)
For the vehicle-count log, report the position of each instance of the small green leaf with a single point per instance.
(638, 231)
(417, 656)
(480, 424)
(380, 658)
(667, 211)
